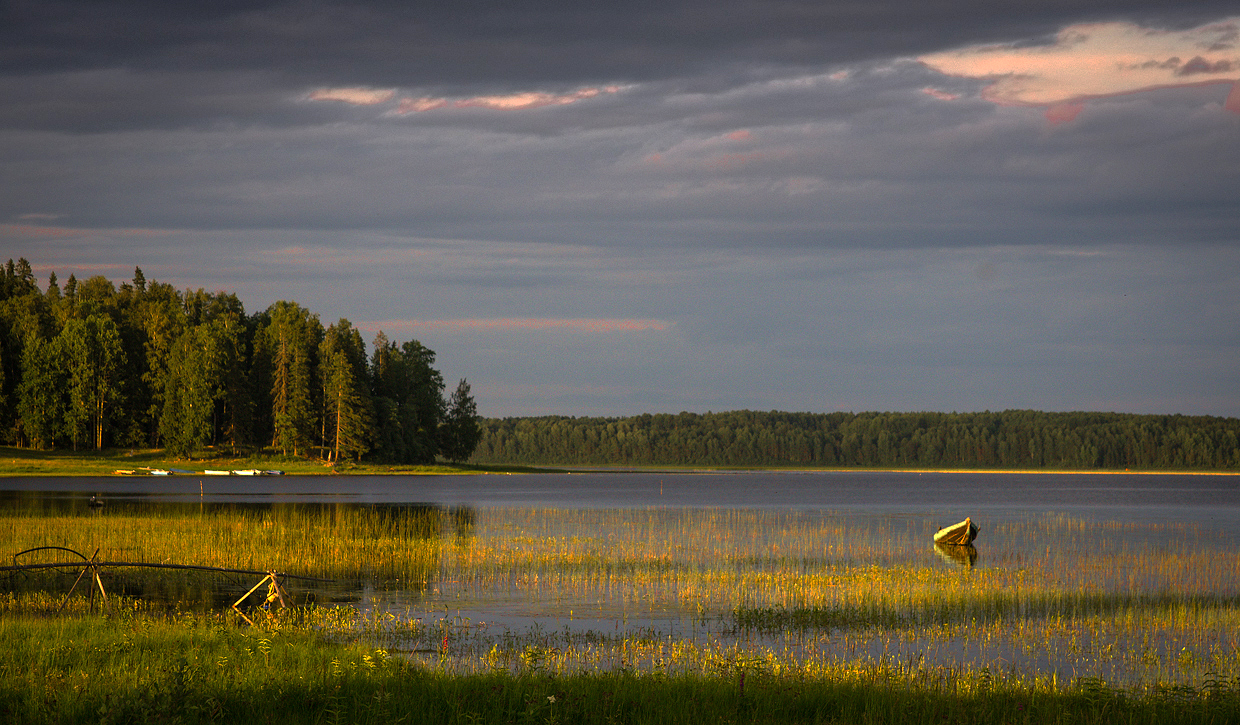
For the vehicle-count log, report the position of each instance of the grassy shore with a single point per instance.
(29, 462)
(80, 668)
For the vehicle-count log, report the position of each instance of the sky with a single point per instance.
(613, 208)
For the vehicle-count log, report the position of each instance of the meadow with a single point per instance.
(524, 614)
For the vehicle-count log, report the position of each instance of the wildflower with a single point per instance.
(551, 699)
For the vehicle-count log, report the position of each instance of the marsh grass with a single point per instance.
(825, 609)
(191, 668)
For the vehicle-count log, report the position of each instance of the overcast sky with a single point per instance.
(609, 208)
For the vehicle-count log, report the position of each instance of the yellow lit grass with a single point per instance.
(819, 594)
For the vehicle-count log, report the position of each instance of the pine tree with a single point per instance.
(347, 420)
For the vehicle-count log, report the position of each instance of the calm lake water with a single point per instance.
(1211, 502)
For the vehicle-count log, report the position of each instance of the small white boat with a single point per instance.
(248, 472)
(209, 472)
(160, 472)
(960, 534)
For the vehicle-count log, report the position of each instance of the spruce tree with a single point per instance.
(291, 340)
(460, 432)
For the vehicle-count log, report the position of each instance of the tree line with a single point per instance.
(1008, 439)
(146, 365)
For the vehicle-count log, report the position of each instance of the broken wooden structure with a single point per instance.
(91, 568)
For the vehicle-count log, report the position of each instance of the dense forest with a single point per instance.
(1009, 439)
(148, 366)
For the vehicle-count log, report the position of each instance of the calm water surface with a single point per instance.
(1211, 502)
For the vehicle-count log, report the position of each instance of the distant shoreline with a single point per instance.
(779, 469)
(26, 462)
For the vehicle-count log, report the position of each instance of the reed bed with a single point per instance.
(1054, 602)
(190, 668)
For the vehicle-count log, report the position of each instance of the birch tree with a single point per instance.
(93, 358)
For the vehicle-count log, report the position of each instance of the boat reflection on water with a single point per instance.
(964, 555)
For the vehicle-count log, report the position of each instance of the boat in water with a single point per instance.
(961, 534)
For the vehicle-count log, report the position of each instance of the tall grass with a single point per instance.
(1053, 603)
(195, 669)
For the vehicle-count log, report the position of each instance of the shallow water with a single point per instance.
(1142, 570)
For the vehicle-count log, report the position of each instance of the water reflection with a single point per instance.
(965, 556)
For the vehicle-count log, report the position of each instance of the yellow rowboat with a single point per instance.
(960, 534)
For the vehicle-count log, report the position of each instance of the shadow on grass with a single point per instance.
(353, 693)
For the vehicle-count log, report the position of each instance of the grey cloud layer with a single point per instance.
(772, 180)
(429, 43)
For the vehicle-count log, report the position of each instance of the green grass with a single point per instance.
(191, 669)
(29, 462)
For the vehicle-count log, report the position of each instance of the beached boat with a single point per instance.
(247, 472)
(160, 472)
(210, 472)
(959, 534)
(273, 472)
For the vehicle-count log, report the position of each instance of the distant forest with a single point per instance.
(1010, 439)
(145, 365)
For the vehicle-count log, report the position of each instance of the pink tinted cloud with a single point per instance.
(1233, 99)
(941, 95)
(509, 102)
(519, 324)
(1064, 112)
(1099, 60)
(355, 96)
(36, 231)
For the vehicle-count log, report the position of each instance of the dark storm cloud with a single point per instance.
(478, 43)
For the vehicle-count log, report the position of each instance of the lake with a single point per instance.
(1211, 500)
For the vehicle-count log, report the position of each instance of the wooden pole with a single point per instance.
(247, 594)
